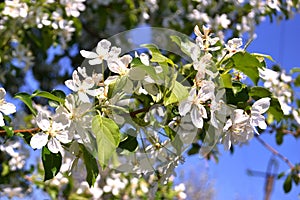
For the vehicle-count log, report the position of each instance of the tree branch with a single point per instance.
(275, 152)
(31, 131)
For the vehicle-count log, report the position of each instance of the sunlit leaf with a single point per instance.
(248, 64)
(26, 98)
(179, 92)
(48, 95)
(107, 136)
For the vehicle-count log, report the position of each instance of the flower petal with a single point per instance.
(262, 105)
(43, 121)
(184, 107)
(8, 108)
(54, 145)
(196, 118)
(39, 140)
(1, 120)
(88, 54)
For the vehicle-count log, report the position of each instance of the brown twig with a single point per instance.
(275, 152)
(31, 131)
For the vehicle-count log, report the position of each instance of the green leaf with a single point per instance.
(184, 45)
(294, 70)
(26, 98)
(57, 93)
(90, 165)
(179, 92)
(130, 143)
(226, 80)
(194, 149)
(259, 92)
(235, 95)
(148, 69)
(260, 55)
(248, 64)
(51, 162)
(156, 54)
(9, 130)
(108, 138)
(282, 174)
(287, 185)
(297, 81)
(48, 95)
(279, 137)
(275, 109)
(296, 178)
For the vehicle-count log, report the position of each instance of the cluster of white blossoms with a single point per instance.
(278, 84)
(241, 125)
(206, 97)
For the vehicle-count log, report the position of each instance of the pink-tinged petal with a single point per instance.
(95, 61)
(196, 118)
(262, 105)
(184, 107)
(70, 84)
(1, 120)
(88, 54)
(2, 93)
(43, 121)
(83, 97)
(54, 145)
(8, 108)
(39, 140)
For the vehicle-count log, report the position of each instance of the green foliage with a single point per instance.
(26, 98)
(107, 136)
(91, 166)
(246, 63)
(51, 162)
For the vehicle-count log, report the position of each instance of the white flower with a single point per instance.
(193, 105)
(234, 45)
(271, 77)
(15, 9)
(120, 65)
(296, 116)
(222, 20)
(237, 129)
(204, 40)
(102, 53)
(257, 109)
(114, 185)
(73, 7)
(53, 132)
(78, 114)
(83, 87)
(143, 57)
(5, 107)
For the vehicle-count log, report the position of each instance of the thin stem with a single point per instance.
(31, 131)
(275, 152)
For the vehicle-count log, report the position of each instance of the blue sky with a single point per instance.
(231, 181)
